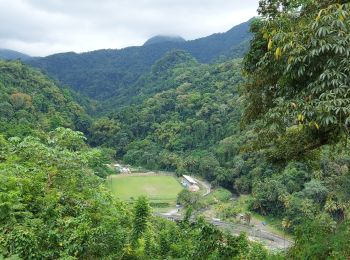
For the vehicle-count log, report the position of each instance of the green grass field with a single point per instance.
(158, 188)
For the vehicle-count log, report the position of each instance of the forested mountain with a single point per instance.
(159, 78)
(280, 134)
(29, 100)
(6, 54)
(273, 126)
(104, 73)
(54, 202)
(181, 110)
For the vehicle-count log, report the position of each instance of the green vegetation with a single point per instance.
(142, 212)
(157, 188)
(54, 199)
(178, 128)
(105, 74)
(52, 205)
(288, 150)
(297, 100)
(190, 199)
(273, 128)
(30, 101)
(220, 195)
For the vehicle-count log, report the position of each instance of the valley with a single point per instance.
(230, 146)
(162, 189)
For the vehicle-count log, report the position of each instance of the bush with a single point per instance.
(229, 212)
(222, 194)
(187, 198)
(159, 204)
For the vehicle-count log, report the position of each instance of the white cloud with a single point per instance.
(42, 27)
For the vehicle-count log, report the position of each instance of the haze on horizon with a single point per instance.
(43, 27)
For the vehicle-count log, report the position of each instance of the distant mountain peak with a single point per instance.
(6, 54)
(164, 38)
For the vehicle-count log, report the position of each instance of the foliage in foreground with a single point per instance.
(53, 205)
(297, 98)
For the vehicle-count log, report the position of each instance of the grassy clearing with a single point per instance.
(158, 188)
(218, 195)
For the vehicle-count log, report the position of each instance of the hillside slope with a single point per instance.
(180, 108)
(54, 200)
(29, 100)
(160, 78)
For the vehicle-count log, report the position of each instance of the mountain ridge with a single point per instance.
(101, 74)
(7, 54)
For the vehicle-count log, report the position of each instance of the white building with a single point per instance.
(121, 169)
(190, 183)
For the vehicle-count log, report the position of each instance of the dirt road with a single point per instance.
(206, 186)
(270, 240)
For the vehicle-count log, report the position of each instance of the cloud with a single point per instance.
(42, 27)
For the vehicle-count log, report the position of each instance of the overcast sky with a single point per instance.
(42, 27)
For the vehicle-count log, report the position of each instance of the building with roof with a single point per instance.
(190, 183)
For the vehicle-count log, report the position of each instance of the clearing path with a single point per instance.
(270, 240)
(205, 185)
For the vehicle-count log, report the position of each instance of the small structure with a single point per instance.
(121, 169)
(190, 183)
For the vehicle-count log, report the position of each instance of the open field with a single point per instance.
(158, 188)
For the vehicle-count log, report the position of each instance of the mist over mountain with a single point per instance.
(163, 38)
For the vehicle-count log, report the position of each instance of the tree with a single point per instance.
(52, 206)
(316, 191)
(21, 101)
(104, 132)
(141, 217)
(301, 74)
(67, 139)
(187, 198)
(320, 240)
